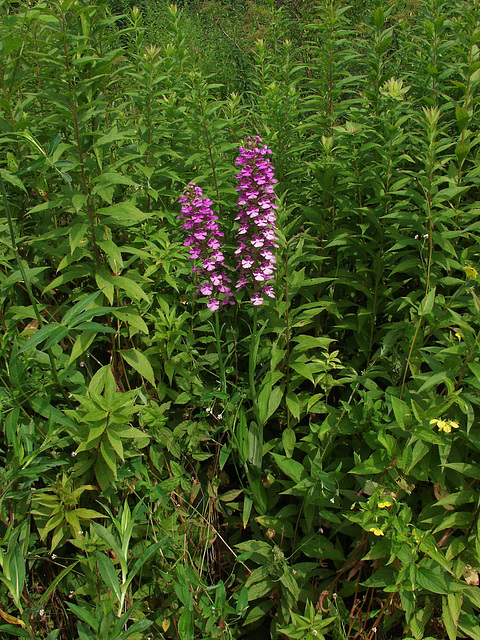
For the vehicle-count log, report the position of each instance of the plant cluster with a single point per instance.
(302, 463)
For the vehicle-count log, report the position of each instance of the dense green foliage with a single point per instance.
(303, 470)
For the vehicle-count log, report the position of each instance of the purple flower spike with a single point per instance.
(204, 242)
(256, 221)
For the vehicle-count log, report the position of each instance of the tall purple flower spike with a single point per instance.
(256, 221)
(205, 246)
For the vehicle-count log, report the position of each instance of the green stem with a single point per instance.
(252, 361)
(25, 279)
(221, 364)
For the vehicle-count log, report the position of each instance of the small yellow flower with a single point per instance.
(471, 272)
(445, 425)
(376, 531)
(385, 504)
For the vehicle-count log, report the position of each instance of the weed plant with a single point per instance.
(306, 468)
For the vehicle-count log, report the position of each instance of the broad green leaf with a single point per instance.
(85, 615)
(469, 470)
(131, 288)
(293, 404)
(303, 370)
(436, 581)
(400, 410)
(12, 179)
(451, 608)
(305, 342)
(268, 401)
(288, 441)
(140, 363)
(125, 214)
(76, 235)
(133, 319)
(290, 468)
(81, 344)
(185, 625)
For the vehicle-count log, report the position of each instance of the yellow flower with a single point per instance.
(376, 531)
(385, 504)
(471, 272)
(445, 425)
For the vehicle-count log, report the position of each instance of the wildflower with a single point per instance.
(471, 273)
(376, 531)
(205, 246)
(256, 262)
(445, 425)
(384, 505)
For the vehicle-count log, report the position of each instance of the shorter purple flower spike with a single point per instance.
(205, 246)
(256, 262)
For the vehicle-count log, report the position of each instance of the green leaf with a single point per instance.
(468, 624)
(39, 336)
(429, 546)
(143, 559)
(400, 411)
(185, 625)
(451, 608)
(290, 468)
(305, 342)
(81, 344)
(428, 301)
(303, 370)
(133, 319)
(125, 214)
(17, 574)
(469, 470)
(85, 615)
(131, 288)
(434, 580)
(12, 179)
(78, 309)
(109, 538)
(108, 455)
(76, 235)
(288, 441)
(140, 363)
(54, 584)
(293, 404)
(108, 573)
(268, 401)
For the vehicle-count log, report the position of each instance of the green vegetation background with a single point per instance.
(305, 470)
